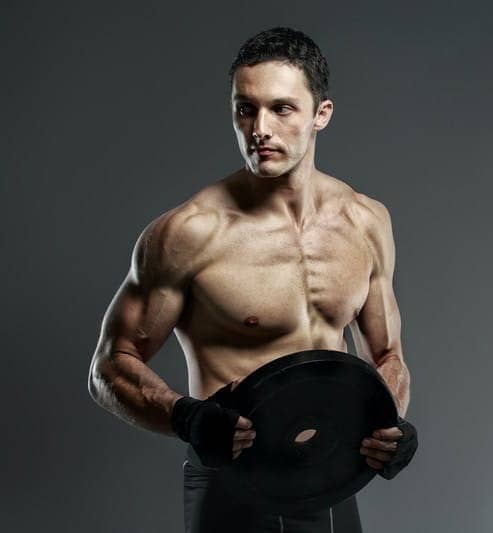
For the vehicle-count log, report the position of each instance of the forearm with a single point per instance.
(128, 388)
(396, 375)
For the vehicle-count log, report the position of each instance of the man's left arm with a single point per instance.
(376, 333)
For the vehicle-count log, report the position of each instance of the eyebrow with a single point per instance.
(283, 100)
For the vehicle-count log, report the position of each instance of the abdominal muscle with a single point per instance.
(211, 367)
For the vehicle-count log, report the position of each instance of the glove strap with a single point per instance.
(182, 413)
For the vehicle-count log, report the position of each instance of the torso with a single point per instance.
(266, 288)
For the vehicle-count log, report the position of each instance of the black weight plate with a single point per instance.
(339, 396)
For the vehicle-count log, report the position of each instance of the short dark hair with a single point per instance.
(294, 47)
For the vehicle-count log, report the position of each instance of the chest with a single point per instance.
(276, 278)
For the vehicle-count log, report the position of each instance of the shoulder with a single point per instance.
(373, 214)
(368, 212)
(375, 222)
(172, 244)
(372, 220)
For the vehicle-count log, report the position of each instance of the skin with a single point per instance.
(275, 258)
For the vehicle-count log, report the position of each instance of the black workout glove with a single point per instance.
(406, 447)
(207, 426)
(224, 397)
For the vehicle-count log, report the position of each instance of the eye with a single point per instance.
(283, 109)
(244, 109)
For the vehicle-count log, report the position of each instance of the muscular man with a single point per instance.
(275, 258)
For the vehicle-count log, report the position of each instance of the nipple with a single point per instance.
(251, 321)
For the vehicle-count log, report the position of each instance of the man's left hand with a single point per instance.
(389, 450)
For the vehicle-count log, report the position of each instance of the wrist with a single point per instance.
(174, 397)
(184, 409)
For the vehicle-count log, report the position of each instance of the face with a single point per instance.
(273, 107)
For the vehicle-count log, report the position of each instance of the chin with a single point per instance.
(265, 170)
(266, 175)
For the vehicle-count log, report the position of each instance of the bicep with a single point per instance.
(376, 331)
(140, 318)
(149, 302)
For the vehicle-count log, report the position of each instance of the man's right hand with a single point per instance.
(244, 434)
(217, 434)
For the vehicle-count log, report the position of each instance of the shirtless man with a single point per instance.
(275, 258)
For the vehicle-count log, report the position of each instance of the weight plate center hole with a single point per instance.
(304, 436)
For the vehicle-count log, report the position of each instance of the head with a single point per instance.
(280, 98)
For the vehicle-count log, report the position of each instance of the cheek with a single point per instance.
(298, 130)
(297, 138)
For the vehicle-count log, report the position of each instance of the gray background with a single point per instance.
(115, 113)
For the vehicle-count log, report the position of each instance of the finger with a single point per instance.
(241, 444)
(244, 423)
(388, 433)
(374, 464)
(244, 434)
(376, 454)
(236, 454)
(385, 445)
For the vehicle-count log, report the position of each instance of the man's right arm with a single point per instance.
(140, 317)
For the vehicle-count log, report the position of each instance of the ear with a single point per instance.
(324, 114)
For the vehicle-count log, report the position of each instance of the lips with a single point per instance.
(265, 150)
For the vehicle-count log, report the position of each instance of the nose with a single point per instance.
(260, 126)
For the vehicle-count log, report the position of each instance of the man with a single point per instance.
(275, 258)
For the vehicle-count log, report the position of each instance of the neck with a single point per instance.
(293, 194)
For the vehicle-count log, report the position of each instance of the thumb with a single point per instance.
(244, 423)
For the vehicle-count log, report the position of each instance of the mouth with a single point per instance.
(264, 152)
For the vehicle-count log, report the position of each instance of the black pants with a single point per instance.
(209, 509)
